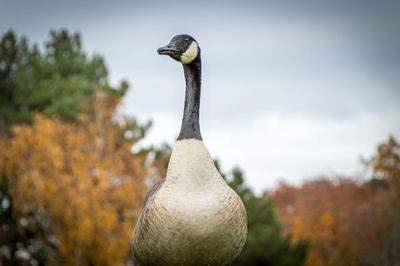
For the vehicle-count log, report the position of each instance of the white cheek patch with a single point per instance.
(190, 54)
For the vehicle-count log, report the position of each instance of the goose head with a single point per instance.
(183, 48)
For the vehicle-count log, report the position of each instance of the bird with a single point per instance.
(192, 216)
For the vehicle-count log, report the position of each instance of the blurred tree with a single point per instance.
(385, 165)
(79, 190)
(317, 210)
(348, 222)
(16, 248)
(266, 243)
(59, 80)
(70, 188)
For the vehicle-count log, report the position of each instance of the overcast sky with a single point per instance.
(291, 89)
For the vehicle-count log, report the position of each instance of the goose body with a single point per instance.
(192, 217)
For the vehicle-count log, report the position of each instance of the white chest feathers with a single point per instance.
(191, 168)
(195, 218)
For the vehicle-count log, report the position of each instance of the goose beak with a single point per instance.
(169, 49)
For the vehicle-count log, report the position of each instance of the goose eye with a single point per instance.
(186, 40)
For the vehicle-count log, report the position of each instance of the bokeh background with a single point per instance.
(300, 109)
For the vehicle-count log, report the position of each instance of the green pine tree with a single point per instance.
(266, 243)
(57, 80)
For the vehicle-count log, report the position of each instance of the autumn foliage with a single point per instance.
(79, 186)
(71, 189)
(348, 222)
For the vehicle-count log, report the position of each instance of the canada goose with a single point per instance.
(192, 217)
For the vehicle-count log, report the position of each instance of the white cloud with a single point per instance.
(276, 146)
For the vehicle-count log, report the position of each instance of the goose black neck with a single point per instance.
(190, 123)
